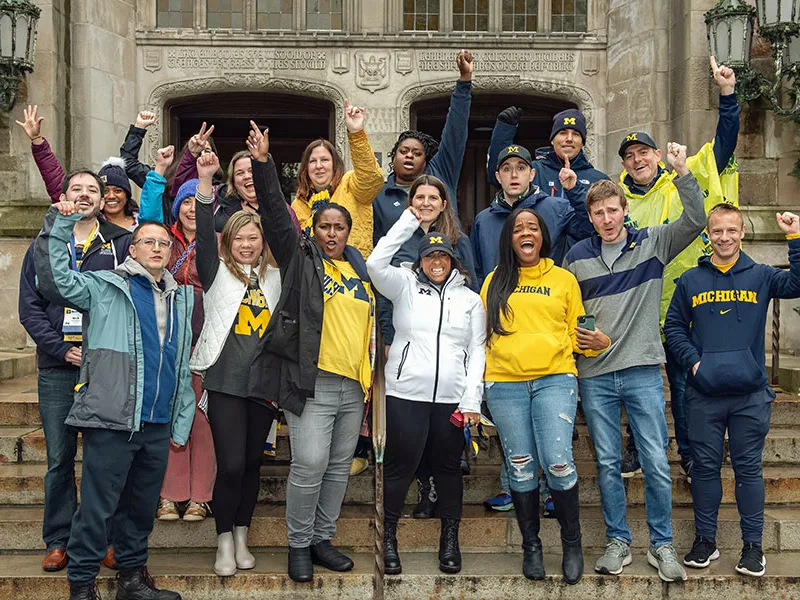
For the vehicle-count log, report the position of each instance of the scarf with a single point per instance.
(317, 201)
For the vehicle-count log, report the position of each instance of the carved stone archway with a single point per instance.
(239, 82)
(516, 84)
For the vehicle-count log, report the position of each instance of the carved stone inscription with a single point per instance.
(247, 59)
(498, 61)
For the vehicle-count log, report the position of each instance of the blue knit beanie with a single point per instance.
(187, 189)
(571, 118)
(112, 172)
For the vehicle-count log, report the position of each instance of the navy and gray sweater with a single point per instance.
(718, 319)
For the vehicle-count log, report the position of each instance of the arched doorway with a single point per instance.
(293, 122)
(474, 192)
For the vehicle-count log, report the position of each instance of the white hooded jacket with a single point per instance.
(438, 353)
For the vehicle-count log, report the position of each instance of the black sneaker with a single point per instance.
(753, 562)
(630, 463)
(686, 467)
(702, 553)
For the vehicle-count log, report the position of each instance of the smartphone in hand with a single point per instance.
(586, 322)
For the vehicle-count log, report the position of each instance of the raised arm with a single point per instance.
(282, 236)
(135, 170)
(367, 178)
(785, 284)
(57, 281)
(476, 362)
(187, 167)
(678, 327)
(49, 168)
(728, 121)
(207, 249)
(390, 280)
(675, 236)
(446, 164)
(505, 128)
(151, 206)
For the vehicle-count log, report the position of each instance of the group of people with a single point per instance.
(171, 334)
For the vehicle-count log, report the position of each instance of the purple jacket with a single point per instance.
(49, 168)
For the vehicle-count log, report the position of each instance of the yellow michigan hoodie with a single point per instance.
(545, 308)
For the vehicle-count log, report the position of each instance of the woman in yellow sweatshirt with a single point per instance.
(531, 387)
(321, 179)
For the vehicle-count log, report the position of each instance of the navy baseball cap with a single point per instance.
(514, 151)
(637, 137)
(435, 241)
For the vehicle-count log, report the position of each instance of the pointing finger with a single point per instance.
(714, 66)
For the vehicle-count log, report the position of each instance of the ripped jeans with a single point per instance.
(534, 421)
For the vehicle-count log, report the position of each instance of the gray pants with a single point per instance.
(323, 441)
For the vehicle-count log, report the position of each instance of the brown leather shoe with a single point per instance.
(55, 560)
(109, 561)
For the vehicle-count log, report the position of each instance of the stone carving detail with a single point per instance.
(381, 120)
(507, 83)
(152, 59)
(341, 61)
(239, 82)
(372, 70)
(247, 59)
(501, 61)
(590, 64)
(404, 61)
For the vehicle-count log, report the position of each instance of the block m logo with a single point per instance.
(569, 121)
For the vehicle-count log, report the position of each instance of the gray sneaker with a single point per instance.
(617, 556)
(665, 559)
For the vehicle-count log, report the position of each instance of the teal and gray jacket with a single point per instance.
(111, 389)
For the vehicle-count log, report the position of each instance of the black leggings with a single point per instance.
(239, 427)
(411, 429)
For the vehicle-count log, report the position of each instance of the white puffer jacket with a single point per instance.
(221, 304)
(438, 353)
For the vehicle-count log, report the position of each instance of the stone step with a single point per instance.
(17, 363)
(782, 446)
(19, 405)
(481, 530)
(23, 484)
(483, 576)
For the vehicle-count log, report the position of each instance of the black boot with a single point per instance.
(568, 515)
(526, 507)
(391, 559)
(84, 592)
(324, 553)
(137, 584)
(427, 499)
(449, 552)
(300, 567)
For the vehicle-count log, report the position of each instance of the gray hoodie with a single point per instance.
(163, 291)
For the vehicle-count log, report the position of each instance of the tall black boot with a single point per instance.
(526, 507)
(449, 552)
(391, 558)
(568, 513)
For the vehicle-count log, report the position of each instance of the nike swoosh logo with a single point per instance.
(725, 312)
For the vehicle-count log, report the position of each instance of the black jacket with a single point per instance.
(42, 319)
(295, 328)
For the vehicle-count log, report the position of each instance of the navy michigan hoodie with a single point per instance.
(718, 319)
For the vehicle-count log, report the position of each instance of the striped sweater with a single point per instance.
(625, 296)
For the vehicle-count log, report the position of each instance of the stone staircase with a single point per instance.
(183, 553)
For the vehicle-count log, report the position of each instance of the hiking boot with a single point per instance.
(665, 559)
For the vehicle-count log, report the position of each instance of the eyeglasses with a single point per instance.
(154, 242)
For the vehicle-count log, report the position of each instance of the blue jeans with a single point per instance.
(640, 390)
(534, 421)
(56, 393)
(676, 376)
(746, 418)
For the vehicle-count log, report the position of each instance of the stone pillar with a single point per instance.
(103, 94)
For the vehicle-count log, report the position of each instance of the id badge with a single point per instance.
(73, 325)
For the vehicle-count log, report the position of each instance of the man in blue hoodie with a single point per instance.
(715, 328)
(95, 245)
(133, 397)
